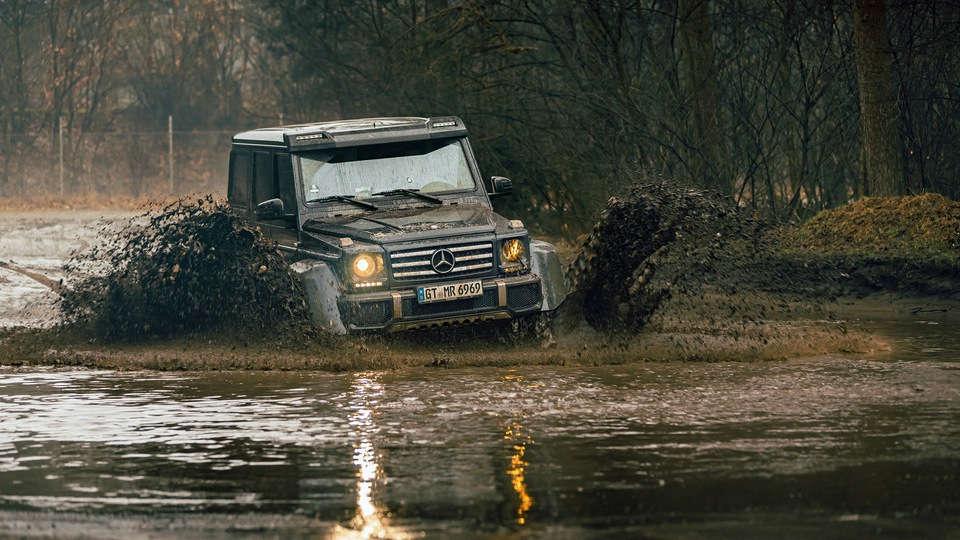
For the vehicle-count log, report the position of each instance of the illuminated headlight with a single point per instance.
(513, 255)
(511, 250)
(367, 270)
(364, 265)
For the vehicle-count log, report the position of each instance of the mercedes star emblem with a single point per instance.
(443, 261)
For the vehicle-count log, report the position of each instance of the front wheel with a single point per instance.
(534, 328)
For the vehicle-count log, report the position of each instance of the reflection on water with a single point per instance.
(517, 468)
(802, 448)
(517, 472)
(363, 405)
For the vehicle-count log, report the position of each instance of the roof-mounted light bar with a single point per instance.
(310, 137)
(444, 123)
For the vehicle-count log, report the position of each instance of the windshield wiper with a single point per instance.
(346, 199)
(411, 192)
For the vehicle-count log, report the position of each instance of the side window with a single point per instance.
(240, 175)
(288, 192)
(264, 185)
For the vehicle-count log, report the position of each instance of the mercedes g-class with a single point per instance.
(387, 223)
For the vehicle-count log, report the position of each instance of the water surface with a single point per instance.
(838, 447)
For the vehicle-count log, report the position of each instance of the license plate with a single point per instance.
(451, 291)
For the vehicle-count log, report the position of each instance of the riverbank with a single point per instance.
(842, 329)
(702, 283)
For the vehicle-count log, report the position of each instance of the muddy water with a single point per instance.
(837, 447)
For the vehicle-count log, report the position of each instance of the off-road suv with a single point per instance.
(389, 226)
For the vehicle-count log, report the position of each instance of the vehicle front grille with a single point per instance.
(523, 296)
(368, 314)
(412, 265)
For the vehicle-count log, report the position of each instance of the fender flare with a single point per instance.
(322, 288)
(545, 263)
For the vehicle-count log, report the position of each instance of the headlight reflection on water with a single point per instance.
(364, 401)
(517, 469)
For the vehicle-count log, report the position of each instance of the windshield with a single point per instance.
(426, 166)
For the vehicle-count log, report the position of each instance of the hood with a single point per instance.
(409, 223)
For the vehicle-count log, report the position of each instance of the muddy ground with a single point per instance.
(668, 274)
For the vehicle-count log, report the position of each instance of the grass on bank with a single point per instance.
(921, 227)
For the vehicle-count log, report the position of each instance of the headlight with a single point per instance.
(366, 265)
(512, 250)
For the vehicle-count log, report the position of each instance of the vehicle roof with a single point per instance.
(352, 132)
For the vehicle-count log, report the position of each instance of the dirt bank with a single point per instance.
(451, 349)
(668, 274)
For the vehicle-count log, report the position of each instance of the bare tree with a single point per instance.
(14, 90)
(925, 38)
(702, 89)
(775, 102)
(879, 112)
(187, 61)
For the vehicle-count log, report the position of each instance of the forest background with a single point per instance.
(786, 106)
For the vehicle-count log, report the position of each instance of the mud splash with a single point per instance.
(662, 248)
(189, 268)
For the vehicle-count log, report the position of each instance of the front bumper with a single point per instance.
(398, 310)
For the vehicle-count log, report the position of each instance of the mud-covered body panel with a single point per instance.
(408, 224)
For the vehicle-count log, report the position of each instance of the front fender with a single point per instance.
(545, 262)
(322, 288)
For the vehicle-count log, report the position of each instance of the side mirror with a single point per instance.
(500, 186)
(270, 209)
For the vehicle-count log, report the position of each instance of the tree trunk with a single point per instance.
(879, 112)
(703, 89)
